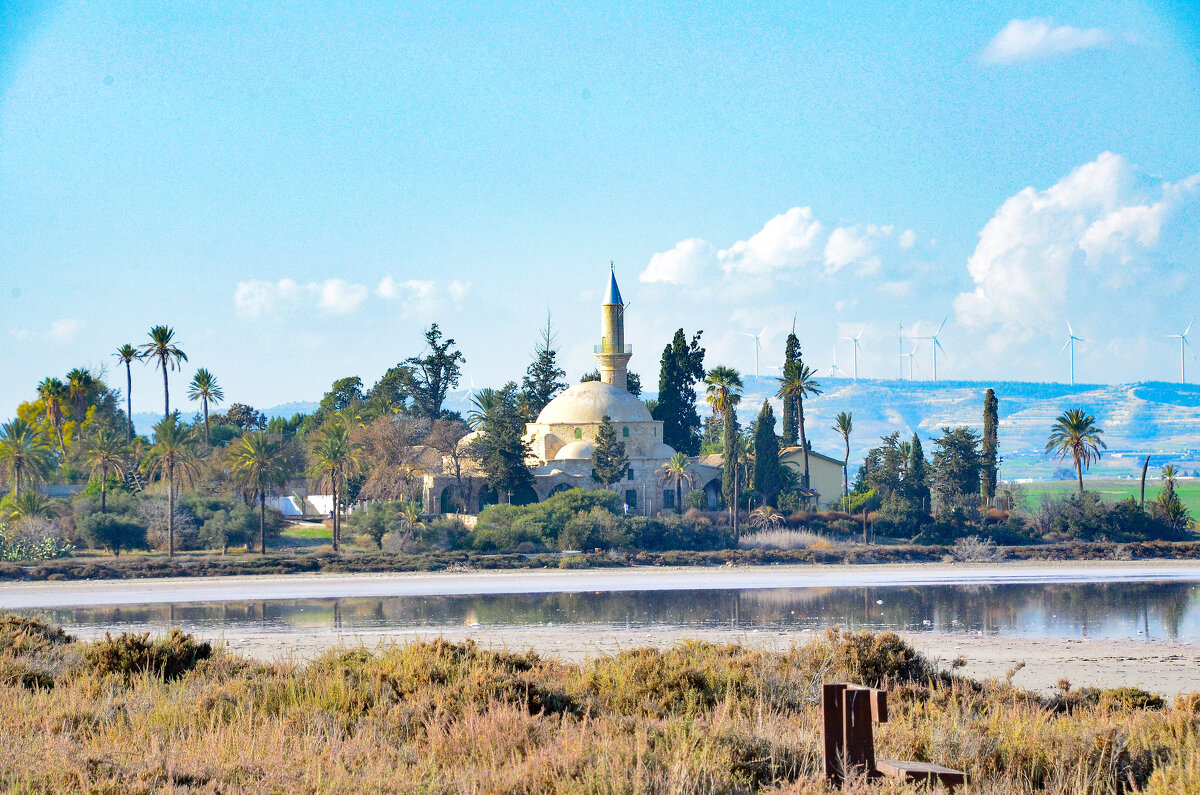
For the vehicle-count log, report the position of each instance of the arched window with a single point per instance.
(625, 431)
(579, 433)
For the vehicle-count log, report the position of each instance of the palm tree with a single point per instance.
(80, 385)
(172, 456)
(723, 387)
(674, 473)
(336, 458)
(29, 505)
(169, 355)
(1169, 473)
(105, 453)
(23, 454)
(52, 392)
(258, 464)
(796, 383)
(482, 404)
(204, 387)
(1075, 434)
(844, 424)
(125, 355)
(765, 517)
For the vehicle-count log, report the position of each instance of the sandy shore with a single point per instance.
(1159, 665)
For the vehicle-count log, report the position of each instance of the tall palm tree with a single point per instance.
(335, 459)
(80, 385)
(844, 424)
(105, 453)
(258, 464)
(674, 473)
(797, 382)
(125, 355)
(53, 393)
(1076, 434)
(172, 457)
(1169, 473)
(24, 457)
(169, 356)
(204, 387)
(723, 388)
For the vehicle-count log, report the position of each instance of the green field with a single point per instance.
(1114, 489)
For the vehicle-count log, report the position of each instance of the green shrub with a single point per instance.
(112, 531)
(132, 654)
(696, 498)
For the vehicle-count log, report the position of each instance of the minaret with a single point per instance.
(612, 354)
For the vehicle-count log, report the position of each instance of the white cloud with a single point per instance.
(422, 298)
(1074, 245)
(258, 298)
(686, 263)
(907, 238)
(63, 330)
(846, 244)
(1036, 39)
(790, 240)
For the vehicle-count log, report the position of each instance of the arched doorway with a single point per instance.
(524, 496)
(559, 489)
(712, 492)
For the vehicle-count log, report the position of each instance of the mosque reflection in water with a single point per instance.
(1121, 610)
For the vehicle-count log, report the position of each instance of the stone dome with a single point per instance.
(660, 450)
(587, 403)
(574, 451)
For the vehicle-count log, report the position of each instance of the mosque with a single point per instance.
(562, 437)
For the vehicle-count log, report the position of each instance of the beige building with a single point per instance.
(563, 436)
(824, 473)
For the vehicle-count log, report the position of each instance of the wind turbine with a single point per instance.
(855, 340)
(911, 356)
(1183, 346)
(1071, 340)
(757, 343)
(835, 370)
(936, 344)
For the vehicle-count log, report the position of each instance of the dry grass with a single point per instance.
(788, 539)
(443, 717)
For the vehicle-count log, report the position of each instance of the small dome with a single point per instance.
(574, 451)
(660, 450)
(587, 403)
(465, 442)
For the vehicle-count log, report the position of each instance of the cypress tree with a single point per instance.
(609, 462)
(729, 444)
(916, 482)
(500, 448)
(544, 378)
(766, 455)
(791, 421)
(990, 462)
(682, 368)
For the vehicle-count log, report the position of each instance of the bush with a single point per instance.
(377, 519)
(112, 531)
(974, 549)
(237, 526)
(696, 498)
(132, 654)
(153, 514)
(597, 528)
(505, 527)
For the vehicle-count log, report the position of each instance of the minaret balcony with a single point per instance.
(606, 349)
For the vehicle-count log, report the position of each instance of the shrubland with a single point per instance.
(139, 714)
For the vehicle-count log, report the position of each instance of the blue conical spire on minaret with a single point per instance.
(613, 296)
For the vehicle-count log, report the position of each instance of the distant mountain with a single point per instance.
(1158, 418)
(144, 421)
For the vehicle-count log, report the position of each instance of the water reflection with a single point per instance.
(1118, 610)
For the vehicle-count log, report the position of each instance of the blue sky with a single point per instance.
(299, 190)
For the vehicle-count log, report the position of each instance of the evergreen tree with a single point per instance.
(724, 388)
(428, 378)
(767, 478)
(681, 369)
(990, 462)
(957, 465)
(500, 448)
(917, 481)
(791, 422)
(544, 378)
(609, 462)
(390, 392)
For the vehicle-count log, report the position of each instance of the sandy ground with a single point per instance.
(1158, 665)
